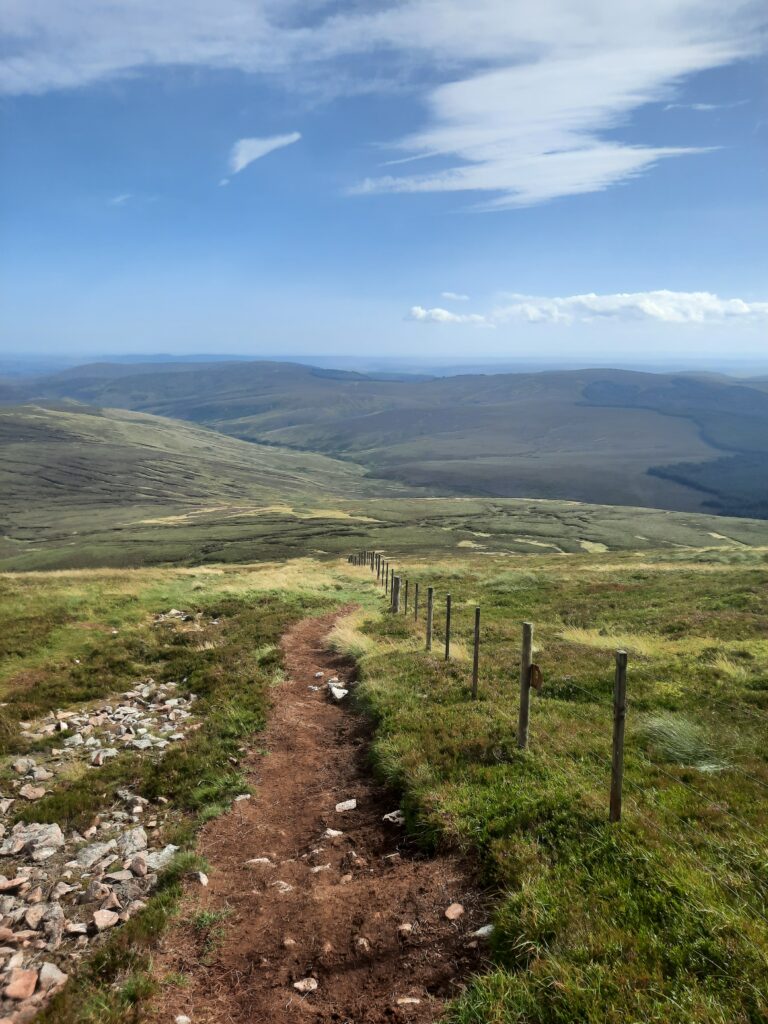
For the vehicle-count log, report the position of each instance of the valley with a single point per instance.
(684, 442)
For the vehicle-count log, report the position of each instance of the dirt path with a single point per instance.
(329, 908)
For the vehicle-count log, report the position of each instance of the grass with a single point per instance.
(660, 918)
(663, 917)
(229, 657)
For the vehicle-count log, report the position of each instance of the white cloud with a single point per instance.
(660, 306)
(522, 93)
(455, 296)
(245, 151)
(121, 200)
(706, 107)
(445, 316)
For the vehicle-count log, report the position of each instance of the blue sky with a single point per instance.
(425, 177)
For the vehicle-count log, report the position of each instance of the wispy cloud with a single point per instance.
(521, 98)
(705, 106)
(454, 296)
(660, 306)
(245, 151)
(121, 200)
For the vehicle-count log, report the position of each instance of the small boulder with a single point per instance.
(104, 919)
(21, 984)
(161, 858)
(138, 865)
(51, 977)
(454, 912)
(132, 842)
(346, 805)
(30, 792)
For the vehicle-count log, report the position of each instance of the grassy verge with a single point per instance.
(229, 656)
(664, 917)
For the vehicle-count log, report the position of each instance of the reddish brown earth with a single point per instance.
(339, 925)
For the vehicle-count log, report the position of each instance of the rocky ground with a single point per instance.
(61, 891)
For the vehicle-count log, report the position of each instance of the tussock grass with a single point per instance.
(673, 737)
(347, 637)
(635, 643)
(724, 666)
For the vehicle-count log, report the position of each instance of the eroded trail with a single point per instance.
(361, 914)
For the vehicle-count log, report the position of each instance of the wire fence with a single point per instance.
(408, 598)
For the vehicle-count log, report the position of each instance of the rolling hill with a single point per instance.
(71, 473)
(676, 441)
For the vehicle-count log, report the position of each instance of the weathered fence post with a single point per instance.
(619, 715)
(447, 626)
(476, 657)
(386, 577)
(395, 594)
(526, 660)
(430, 615)
(391, 580)
(405, 602)
(416, 601)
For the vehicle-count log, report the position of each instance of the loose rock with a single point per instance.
(104, 919)
(306, 985)
(21, 985)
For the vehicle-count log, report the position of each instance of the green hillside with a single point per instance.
(71, 473)
(605, 436)
(81, 487)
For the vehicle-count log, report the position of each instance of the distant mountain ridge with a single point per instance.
(677, 441)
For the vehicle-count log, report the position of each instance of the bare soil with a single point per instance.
(340, 921)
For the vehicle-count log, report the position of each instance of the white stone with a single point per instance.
(306, 985)
(394, 818)
(483, 933)
(332, 833)
(161, 858)
(346, 805)
(337, 693)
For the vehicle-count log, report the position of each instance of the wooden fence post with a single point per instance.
(526, 660)
(430, 615)
(405, 602)
(386, 578)
(476, 657)
(447, 627)
(619, 715)
(416, 601)
(395, 594)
